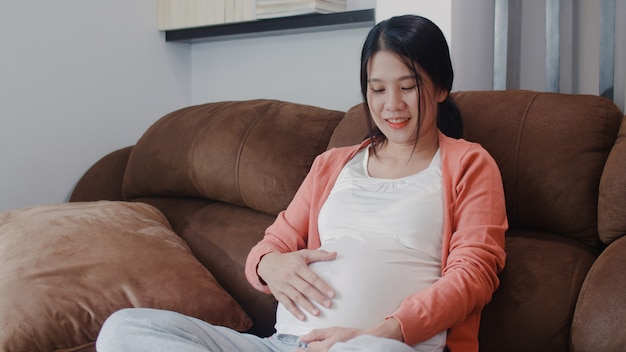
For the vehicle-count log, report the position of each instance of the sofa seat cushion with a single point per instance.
(534, 305)
(65, 268)
(221, 235)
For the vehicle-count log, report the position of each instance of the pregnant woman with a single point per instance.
(391, 245)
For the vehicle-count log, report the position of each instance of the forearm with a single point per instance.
(252, 262)
(389, 328)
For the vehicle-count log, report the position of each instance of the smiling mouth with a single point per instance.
(397, 122)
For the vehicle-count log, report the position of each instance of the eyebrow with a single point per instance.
(403, 78)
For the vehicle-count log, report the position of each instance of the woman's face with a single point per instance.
(393, 99)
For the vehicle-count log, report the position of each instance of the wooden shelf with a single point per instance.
(273, 26)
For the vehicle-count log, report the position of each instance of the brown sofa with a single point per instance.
(220, 172)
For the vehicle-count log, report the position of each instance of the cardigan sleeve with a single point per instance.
(288, 233)
(475, 251)
(296, 227)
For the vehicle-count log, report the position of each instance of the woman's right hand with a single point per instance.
(293, 283)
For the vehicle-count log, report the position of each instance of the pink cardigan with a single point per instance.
(473, 242)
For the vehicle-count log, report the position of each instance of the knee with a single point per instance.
(121, 320)
(117, 327)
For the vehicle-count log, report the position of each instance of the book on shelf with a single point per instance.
(178, 14)
(281, 8)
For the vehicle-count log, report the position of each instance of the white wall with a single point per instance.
(78, 79)
(320, 68)
(315, 68)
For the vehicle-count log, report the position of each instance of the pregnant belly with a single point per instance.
(371, 277)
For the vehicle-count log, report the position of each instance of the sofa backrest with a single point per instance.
(250, 153)
(551, 149)
(611, 208)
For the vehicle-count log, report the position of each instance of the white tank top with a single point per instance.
(387, 234)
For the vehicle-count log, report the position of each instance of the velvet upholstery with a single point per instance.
(220, 172)
(611, 209)
(352, 129)
(105, 178)
(65, 268)
(537, 293)
(223, 246)
(598, 323)
(551, 150)
(231, 152)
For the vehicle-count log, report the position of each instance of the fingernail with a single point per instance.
(327, 303)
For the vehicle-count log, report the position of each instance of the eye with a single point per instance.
(377, 90)
(408, 89)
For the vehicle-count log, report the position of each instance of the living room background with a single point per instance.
(80, 79)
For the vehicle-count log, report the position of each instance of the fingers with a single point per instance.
(318, 255)
(326, 334)
(294, 300)
(315, 288)
(323, 339)
(315, 335)
(313, 279)
(294, 284)
(319, 339)
(308, 288)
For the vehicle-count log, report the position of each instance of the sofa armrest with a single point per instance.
(103, 180)
(600, 315)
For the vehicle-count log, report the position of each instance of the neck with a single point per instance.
(426, 146)
(393, 160)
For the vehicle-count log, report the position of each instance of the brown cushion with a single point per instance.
(251, 153)
(103, 180)
(65, 268)
(611, 204)
(551, 149)
(532, 308)
(600, 316)
(352, 129)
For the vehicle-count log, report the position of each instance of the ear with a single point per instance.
(441, 95)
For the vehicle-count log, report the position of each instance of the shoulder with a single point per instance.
(338, 156)
(462, 159)
(460, 149)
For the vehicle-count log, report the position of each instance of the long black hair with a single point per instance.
(421, 44)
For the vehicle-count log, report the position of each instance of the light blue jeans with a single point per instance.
(143, 329)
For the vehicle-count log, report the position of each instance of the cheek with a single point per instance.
(375, 103)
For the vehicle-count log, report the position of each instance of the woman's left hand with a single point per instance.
(321, 340)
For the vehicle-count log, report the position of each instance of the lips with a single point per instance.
(397, 122)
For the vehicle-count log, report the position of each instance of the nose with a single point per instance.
(393, 100)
